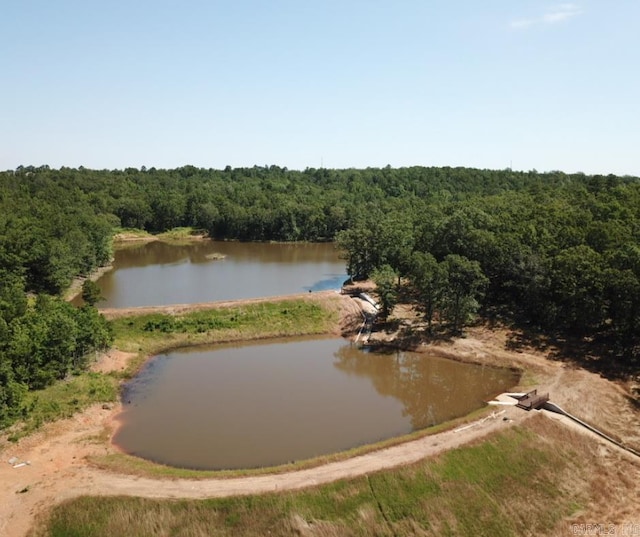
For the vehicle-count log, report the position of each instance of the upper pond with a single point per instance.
(264, 404)
(159, 273)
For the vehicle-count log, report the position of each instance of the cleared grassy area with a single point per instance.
(63, 399)
(130, 232)
(179, 233)
(159, 332)
(513, 483)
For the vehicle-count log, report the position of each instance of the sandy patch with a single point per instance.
(113, 360)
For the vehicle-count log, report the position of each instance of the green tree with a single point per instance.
(11, 393)
(577, 288)
(91, 293)
(13, 299)
(622, 288)
(386, 289)
(428, 279)
(94, 334)
(465, 283)
(359, 246)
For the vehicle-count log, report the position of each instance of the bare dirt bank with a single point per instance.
(75, 289)
(58, 454)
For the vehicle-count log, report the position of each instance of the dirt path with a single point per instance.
(107, 484)
(59, 470)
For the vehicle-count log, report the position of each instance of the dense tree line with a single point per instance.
(563, 256)
(49, 233)
(55, 224)
(42, 342)
(559, 252)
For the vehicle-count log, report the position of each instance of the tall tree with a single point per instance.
(428, 279)
(577, 287)
(465, 283)
(91, 293)
(386, 289)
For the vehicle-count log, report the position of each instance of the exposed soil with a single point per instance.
(76, 285)
(141, 238)
(122, 238)
(58, 468)
(133, 237)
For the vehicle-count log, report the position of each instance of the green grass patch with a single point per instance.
(507, 485)
(131, 232)
(479, 488)
(179, 233)
(175, 234)
(63, 399)
(159, 332)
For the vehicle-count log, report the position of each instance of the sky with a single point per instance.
(526, 84)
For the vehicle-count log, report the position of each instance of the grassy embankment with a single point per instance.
(523, 481)
(158, 332)
(62, 400)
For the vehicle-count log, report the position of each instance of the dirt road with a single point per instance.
(58, 469)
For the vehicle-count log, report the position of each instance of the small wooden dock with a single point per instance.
(532, 400)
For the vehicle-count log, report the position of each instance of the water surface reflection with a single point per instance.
(242, 406)
(159, 273)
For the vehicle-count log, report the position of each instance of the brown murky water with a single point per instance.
(158, 273)
(244, 406)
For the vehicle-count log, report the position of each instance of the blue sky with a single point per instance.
(530, 84)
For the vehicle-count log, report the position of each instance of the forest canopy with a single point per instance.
(554, 251)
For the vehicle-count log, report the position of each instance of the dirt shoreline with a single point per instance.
(58, 468)
(121, 239)
(75, 289)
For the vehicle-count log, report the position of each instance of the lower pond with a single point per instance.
(256, 405)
